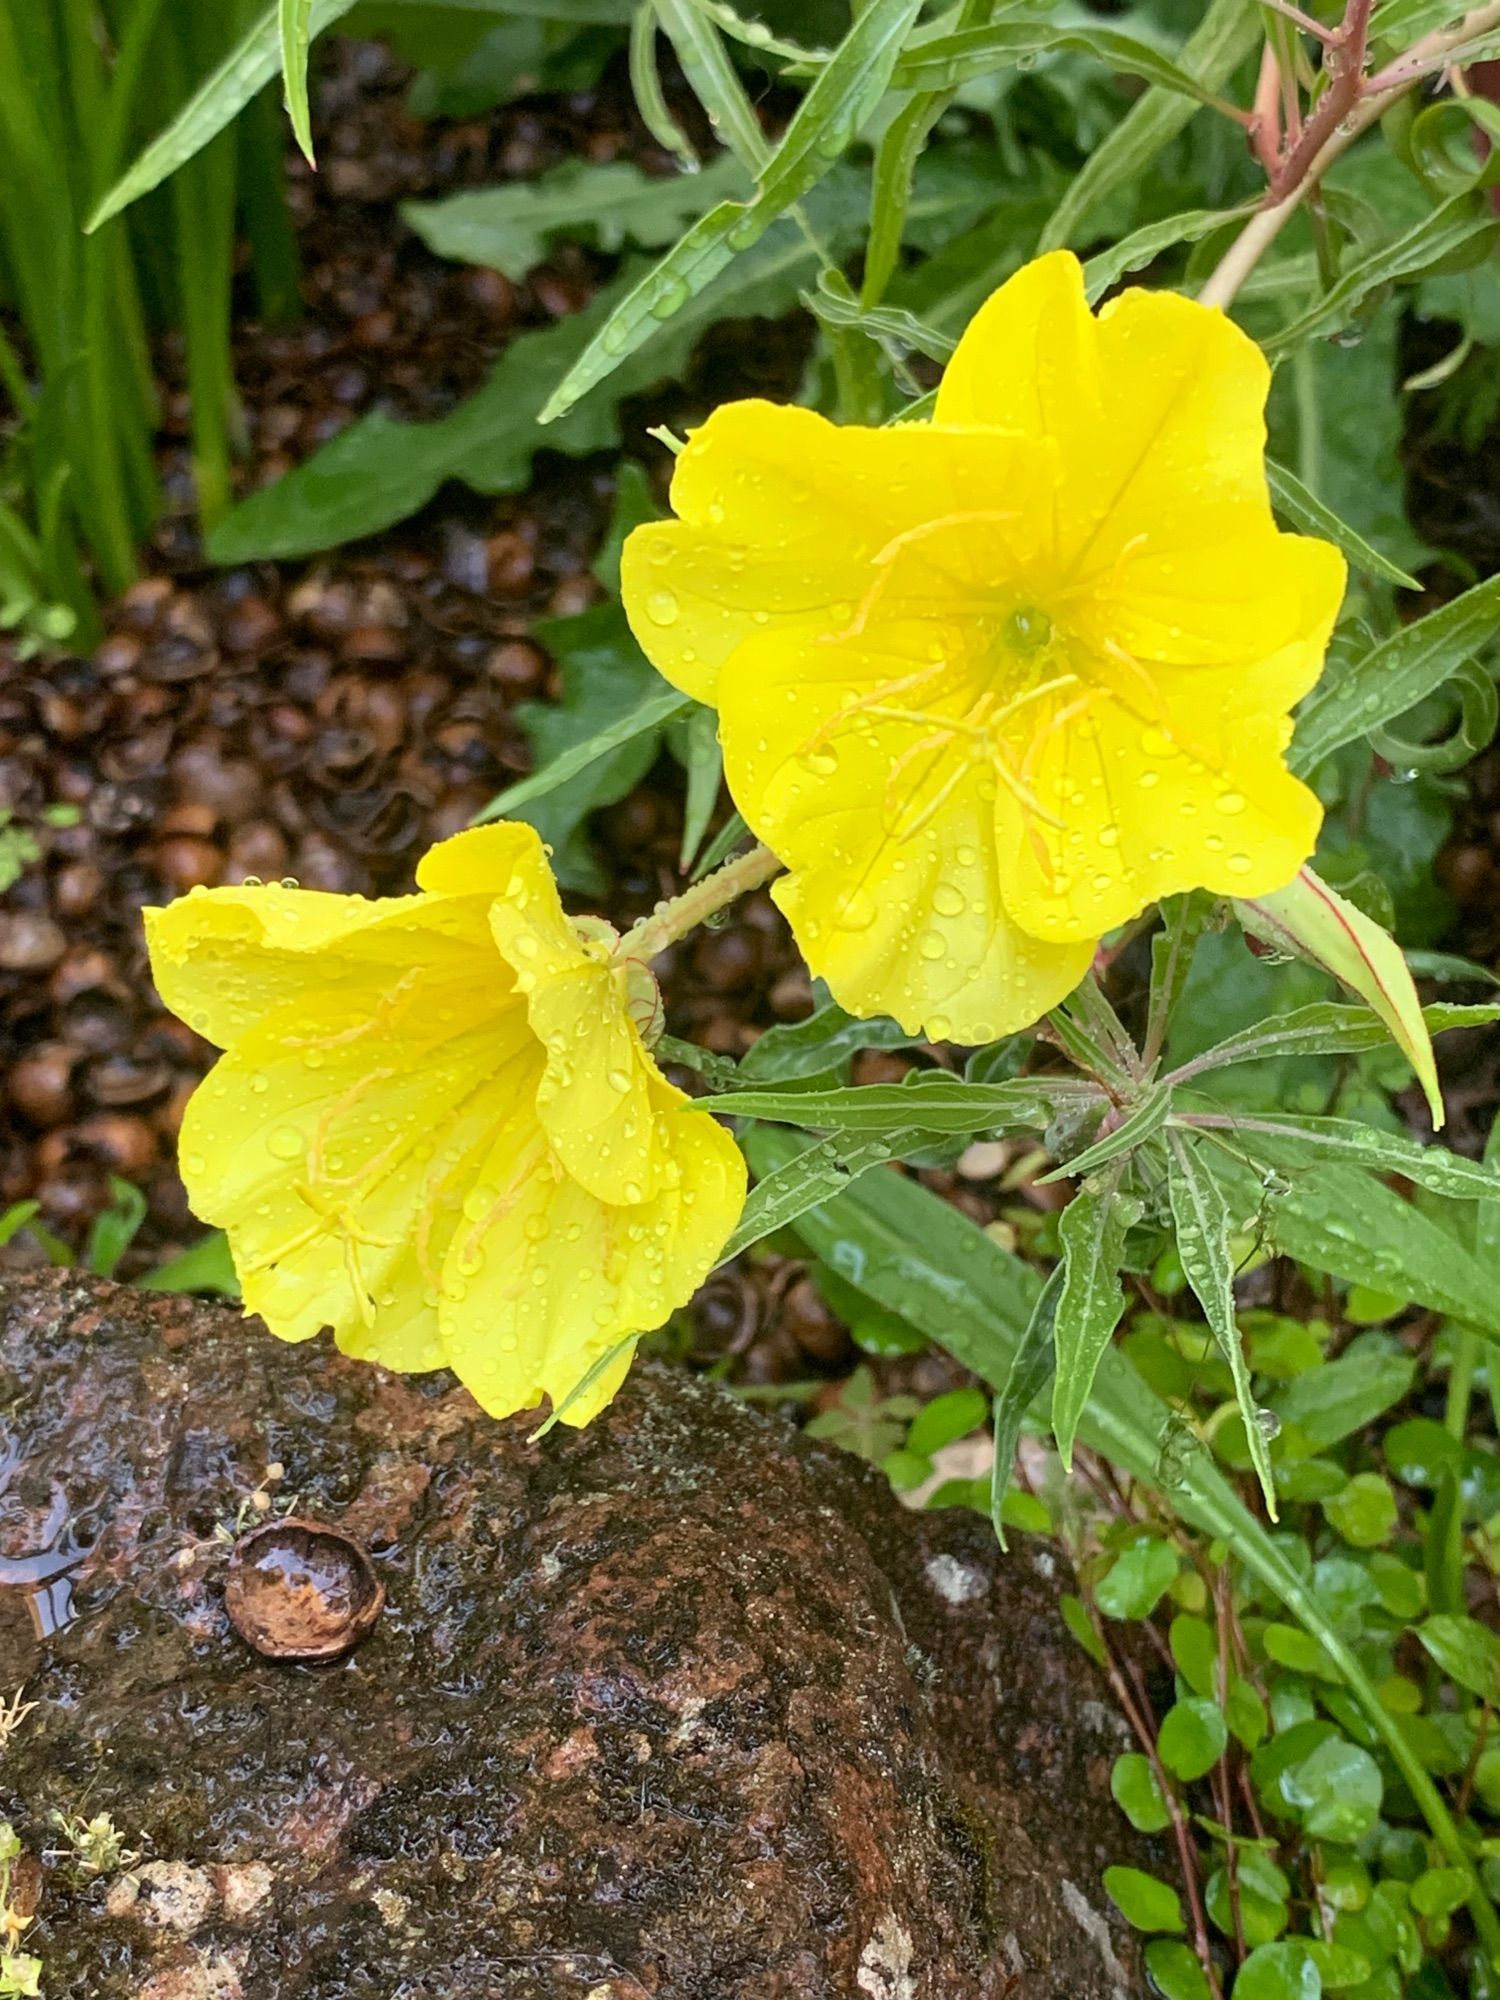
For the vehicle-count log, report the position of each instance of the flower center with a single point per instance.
(1027, 630)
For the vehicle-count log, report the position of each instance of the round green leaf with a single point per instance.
(1467, 1652)
(1195, 1652)
(1138, 1579)
(1279, 1972)
(947, 1418)
(1137, 1793)
(1175, 1971)
(1364, 1513)
(1192, 1738)
(1438, 1892)
(1336, 1791)
(1144, 1903)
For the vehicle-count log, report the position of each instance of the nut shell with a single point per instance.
(300, 1590)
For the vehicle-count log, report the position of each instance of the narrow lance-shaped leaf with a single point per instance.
(1325, 1028)
(252, 62)
(295, 21)
(1289, 1138)
(1464, 220)
(949, 60)
(1201, 1226)
(1093, 1229)
(1309, 920)
(808, 1179)
(1147, 1118)
(509, 228)
(662, 708)
(1398, 674)
(933, 1102)
(1030, 1366)
(1227, 33)
(1142, 245)
(824, 126)
(1306, 512)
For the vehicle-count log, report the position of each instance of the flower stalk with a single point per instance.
(673, 919)
(1352, 103)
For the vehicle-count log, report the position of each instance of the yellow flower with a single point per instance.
(437, 1128)
(990, 685)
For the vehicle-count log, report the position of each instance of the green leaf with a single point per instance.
(1223, 38)
(112, 1232)
(1305, 511)
(791, 1187)
(1293, 1142)
(1330, 1403)
(1195, 1652)
(1192, 1738)
(648, 715)
(1398, 674)
(1132, 252)
(825, 124)
(1175, 1971)
(252, 62)
(1137, 1793)
(1138, 1579)
(1093, 1229)
(946, 61)
(1336, 1791)
(1284, 1971)
(827, 1039)
(295, 23)
(1144, 1903)
(947, 1418)
(1467, 1652)
(1143, 1122)
(1309, 920)
(1364, 1514)
(1325, 1028)
(931, 1102)
(1463, 223)
(609, 204)
(205, 1266)
(1201, 1228)
(1341, 1221)
(1028, 1374)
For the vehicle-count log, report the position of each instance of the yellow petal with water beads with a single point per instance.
(436, 1127)
(989, 686)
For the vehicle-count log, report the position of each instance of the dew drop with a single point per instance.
(662, 607)
(286, 1143)
(1230, 803)
(947, 901)
(1238, 864)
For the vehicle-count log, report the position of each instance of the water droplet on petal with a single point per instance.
(662, 607)
(286, 1143)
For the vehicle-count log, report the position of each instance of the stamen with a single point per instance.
(885, 557)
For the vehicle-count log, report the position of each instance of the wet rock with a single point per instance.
(680, 1706)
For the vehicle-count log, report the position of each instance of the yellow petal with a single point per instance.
(553, 1279)
(896, 848)
(593, 1099)
(484, 860)
(1146, 810)
(788, 522)
(1155, 408)
(223, 959)
(336, 1160)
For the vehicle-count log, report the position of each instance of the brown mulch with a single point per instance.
(327, 721)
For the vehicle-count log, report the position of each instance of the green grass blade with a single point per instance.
(252, 62)
(294, 21)
(825, 125)
(1223, 38)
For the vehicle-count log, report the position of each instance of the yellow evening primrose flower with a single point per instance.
(990, 685)
(436, 1127)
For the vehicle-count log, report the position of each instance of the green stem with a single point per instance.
(672, 920)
